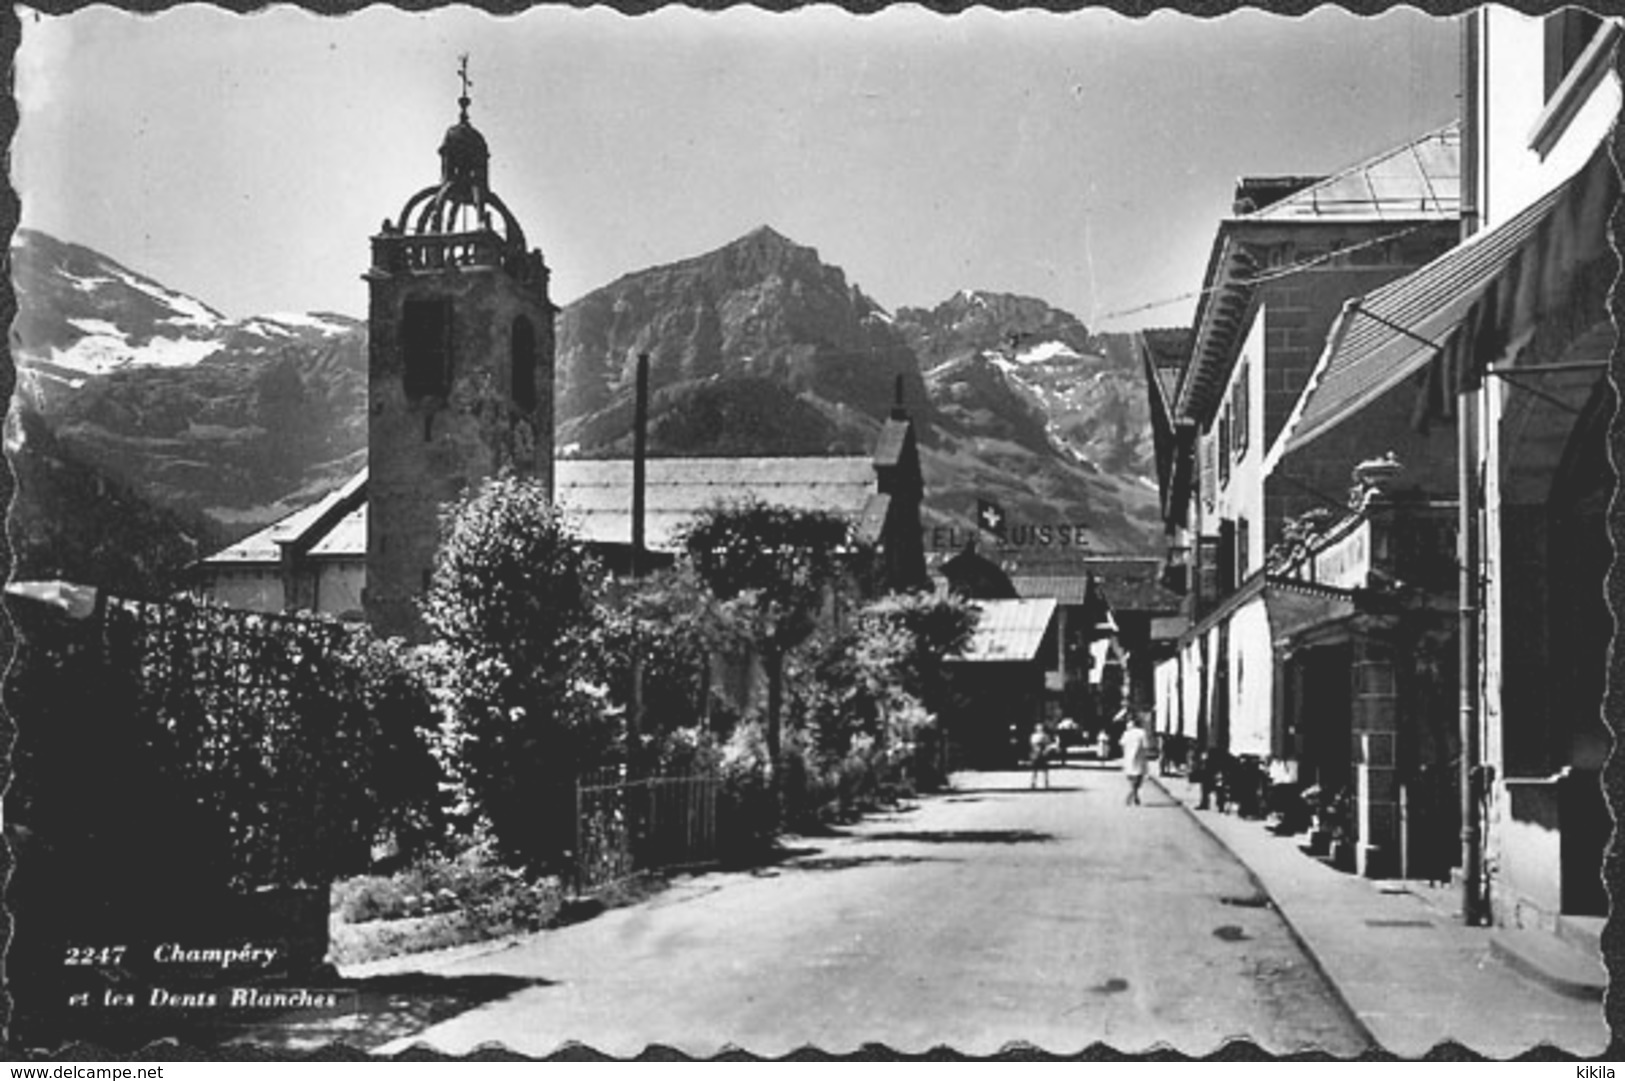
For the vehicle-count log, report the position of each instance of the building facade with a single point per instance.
(1237, 505)
(1507, 337)
(1497, 349)
(1546, 100)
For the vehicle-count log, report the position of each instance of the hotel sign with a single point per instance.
(1346, 562)
(992, 521)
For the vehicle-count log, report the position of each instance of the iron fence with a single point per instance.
(627, 824)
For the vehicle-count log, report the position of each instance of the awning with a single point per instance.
(1474, 306)
(1298, 607)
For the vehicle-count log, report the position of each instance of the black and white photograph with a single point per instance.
(776, 533)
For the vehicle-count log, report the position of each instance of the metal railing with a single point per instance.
(626, 824)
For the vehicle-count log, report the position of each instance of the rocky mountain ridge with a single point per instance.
(760, 344)
(219, 426)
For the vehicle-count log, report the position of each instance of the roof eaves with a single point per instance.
(1228, 299)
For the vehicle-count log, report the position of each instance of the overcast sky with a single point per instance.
(1083, 158)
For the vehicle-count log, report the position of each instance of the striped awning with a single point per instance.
(1475, 306)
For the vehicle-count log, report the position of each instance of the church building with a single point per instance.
(460, 388)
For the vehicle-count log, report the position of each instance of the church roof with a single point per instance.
(596, 494)
(312, 529)
(596, 497)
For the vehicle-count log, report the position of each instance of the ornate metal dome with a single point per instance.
(462, 202)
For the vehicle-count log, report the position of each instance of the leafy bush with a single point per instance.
(747, 816)
(511, 604)
(662, 625)
(396, 690)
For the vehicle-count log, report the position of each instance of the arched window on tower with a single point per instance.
(522, 363)
(426, 347)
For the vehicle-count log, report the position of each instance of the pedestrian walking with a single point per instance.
(1135, 757)
(1039, 744)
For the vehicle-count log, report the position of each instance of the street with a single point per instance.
(973, 919)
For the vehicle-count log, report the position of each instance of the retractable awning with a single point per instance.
(1474, 306)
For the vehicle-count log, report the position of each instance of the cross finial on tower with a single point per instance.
(462, 73)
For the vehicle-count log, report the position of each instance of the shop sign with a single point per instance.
(1346, 562)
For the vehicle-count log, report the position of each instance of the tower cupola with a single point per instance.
(460, 221)
(464, 156)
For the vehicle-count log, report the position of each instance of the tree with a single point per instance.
(511, 603)
(929, 627)
(662, 621)
(774, 570)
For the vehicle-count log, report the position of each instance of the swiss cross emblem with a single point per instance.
(990, 516)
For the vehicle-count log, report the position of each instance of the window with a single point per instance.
(1227, 557)
(426, 347)
(522, 363)
(1224, 445)
(1238, 403)
(1568, 32)
(1243, 543)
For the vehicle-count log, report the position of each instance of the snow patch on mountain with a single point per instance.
(104, 348)
(317, 321)
(1046, 351)
(189, 311)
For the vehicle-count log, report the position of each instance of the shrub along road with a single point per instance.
(977, 918)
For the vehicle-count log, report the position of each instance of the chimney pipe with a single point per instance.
(640, 451)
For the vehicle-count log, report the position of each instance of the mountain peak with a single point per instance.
(766, 243)
(766, 233)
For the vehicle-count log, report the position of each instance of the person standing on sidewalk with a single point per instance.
(1135, 757)
(1039, 742)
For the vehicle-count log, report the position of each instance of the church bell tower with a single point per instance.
(459, 367)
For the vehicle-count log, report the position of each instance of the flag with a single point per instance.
(990, 516)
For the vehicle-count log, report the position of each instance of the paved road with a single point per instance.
(989, 915)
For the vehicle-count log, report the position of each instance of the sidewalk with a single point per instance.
(1398, 954)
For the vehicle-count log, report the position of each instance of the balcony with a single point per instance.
(417, 253)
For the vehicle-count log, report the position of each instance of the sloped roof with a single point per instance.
(1009, 630)
(1064, 589)
(1128, 584)
(347, 538)
(892, 441)
(1421, 179)
(311, 526)
(596, 495)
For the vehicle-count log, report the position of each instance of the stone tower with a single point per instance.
(460, 368)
